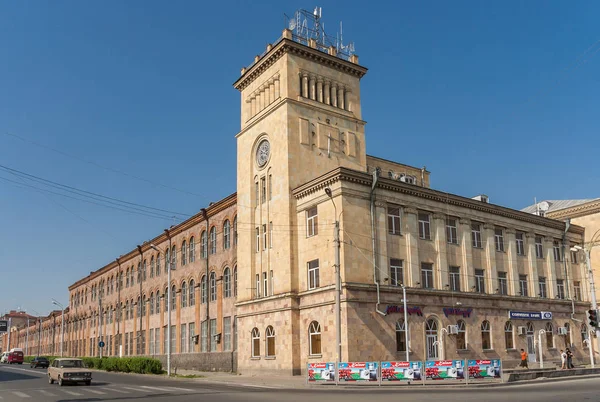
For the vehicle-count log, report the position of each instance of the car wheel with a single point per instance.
(60, 381)
(50, 380)
(88, 383)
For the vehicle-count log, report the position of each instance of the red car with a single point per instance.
(15, 356)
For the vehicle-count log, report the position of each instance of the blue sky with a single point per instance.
(496, 98)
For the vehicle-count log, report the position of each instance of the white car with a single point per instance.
(4, 358)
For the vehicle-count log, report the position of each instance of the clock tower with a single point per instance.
(300, 118)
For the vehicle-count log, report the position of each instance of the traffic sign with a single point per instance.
(101, 344)
(3, 326)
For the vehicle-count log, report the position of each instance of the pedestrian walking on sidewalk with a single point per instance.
(563, 359)
(569, 359)
(524, 359)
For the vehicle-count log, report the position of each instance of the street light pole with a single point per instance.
(338, 279)
(406, 333)
(168, 265)
(27, 338)
(39, 318)
(62, 325)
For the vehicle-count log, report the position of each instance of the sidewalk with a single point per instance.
(254, 381)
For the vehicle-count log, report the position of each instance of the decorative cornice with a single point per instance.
(588, 208)
(289, 46)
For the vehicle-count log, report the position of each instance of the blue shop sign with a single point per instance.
(530, 315)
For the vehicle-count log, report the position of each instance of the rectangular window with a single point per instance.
(502, 283)
(573, 257)
(213, 333)
(192, 334)
(476, 235)
(542, 285)
(264, 229)
(183, 338)
(426, 275)
(257, 239)
(263, 190)
(257, 193)
(451, 231)
(165, 340)
(560, 289)
(270, 187)
(312, 222)
(539, 248)
(396, 274)
(556, 247)
(520, 243)
(454, 278)
(157, 341)
(424, 226)
(523, 285)
(257, 285)
(499, 239)
(204, 336)
(577, 290)
(479, 281)
(265, 284)
(173, 338)
(313, 274)
(393, 214)
(226, 333)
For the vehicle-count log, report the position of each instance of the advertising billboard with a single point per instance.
(444, 370)
(318, 372)
(358, 371)
(485, 369)
(401, 371)
(3, 326)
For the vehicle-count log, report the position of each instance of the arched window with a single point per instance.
(226, 235)
(157, 264)
(158, 302)
(400, 336)
(568, 336)
(144, 271)
(173, 298)
(509, 341)
(431, 338)
(213, 286)
(192, 250)
(227, 282)
(549, 335)
(213, 240)
(270, 336)
(139, 307)
(235, 281)
(126, 310)
(152, 267)
(203, 289)
(461, 337)
(152, 301)
(314, 338)
(184, 253)
(584, 335)
(203, 244)
(144, 306)
(530, 329)
(235, 231)
(184, 295)
(486, 341)
(192, 294)
(139, 272)
(166, 297)
(174, 257)
(255, 343)
(127, 278)
(167, 258)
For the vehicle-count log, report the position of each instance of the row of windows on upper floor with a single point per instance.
(263, 189)
(394, 223)
(187, 254)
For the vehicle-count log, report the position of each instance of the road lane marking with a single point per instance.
(155, 388)
(115, 390)
(21, 394)
(136, 389)
(46, 392)
(29, 371)
(181, 389)
(71, 392)
(93, 391)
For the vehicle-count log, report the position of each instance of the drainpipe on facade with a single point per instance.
(372, 197)
(564, 251)
(205, 216)
(141, 273)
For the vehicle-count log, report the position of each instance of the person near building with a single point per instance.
(569, 359)
(563, 359)
(524, 359)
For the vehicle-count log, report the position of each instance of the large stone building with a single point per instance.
(255, 273)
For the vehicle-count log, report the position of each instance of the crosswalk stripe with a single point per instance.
(115, 390)
(21, 394)
(181, 389)
(93, 391)
(155, 388)
(136, 389)
(46, 392)
(71, 392)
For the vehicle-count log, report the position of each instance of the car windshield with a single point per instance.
(71, 363)
(42, 359)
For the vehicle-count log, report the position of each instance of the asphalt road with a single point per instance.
(22, 384)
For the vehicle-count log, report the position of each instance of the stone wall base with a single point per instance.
(215, 361)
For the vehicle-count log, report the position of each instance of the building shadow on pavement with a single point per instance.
(6, 376)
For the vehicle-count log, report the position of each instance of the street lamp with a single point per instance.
(169, 266)
(62, 325)
(39, 318)
(338, 279)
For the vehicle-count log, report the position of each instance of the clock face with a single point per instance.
(262, 153)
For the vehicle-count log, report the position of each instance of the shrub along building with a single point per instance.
(255, 273)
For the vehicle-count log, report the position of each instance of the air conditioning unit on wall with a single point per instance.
(562, 331)
(452, 329)
(522, 330)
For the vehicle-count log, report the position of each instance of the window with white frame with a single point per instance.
(400, 336)
(270, 186)
(479, 281)
(523, 285)
(461, 337)
(235, 231)
(226, 333)
(257, 285)
(265, 284)
(454, 278)
(227, 282)
(314, 338)
(424, 226)
(183, 338)
(577, 290)
(476, 235)
(235, 281)
(313, 274)
(312, 222)
(427, 275)
(520, 243)
(226, 235)
(396, 274)
(192, 293)
(213, 240)
(264, 230)
(486, 338)
(183, 297)
(270, 340)
(152, 267)
(556, 248)
(213, 286)
(502, 283)
(451, 231)
(394, 219)
(183, 252)
(192, 250)
(573, 257)
(204, 244)
(263, 190)
(203, 293)
(509, 340)
(549, 328)
(213, 333)
(174, 257)
(539, 247)
(204, 336)
(255, 342)
(499, 239)
(191, 335)
(542, 287)
(257, 239)
(560, 289)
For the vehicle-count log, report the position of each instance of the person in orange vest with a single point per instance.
(524, 359)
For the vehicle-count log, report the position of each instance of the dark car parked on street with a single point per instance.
(39, 362)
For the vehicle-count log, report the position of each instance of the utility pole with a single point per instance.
(100, 322)
(142, 304)
(406, 333)
(27, 338)
(588, 264)
(338, 279)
